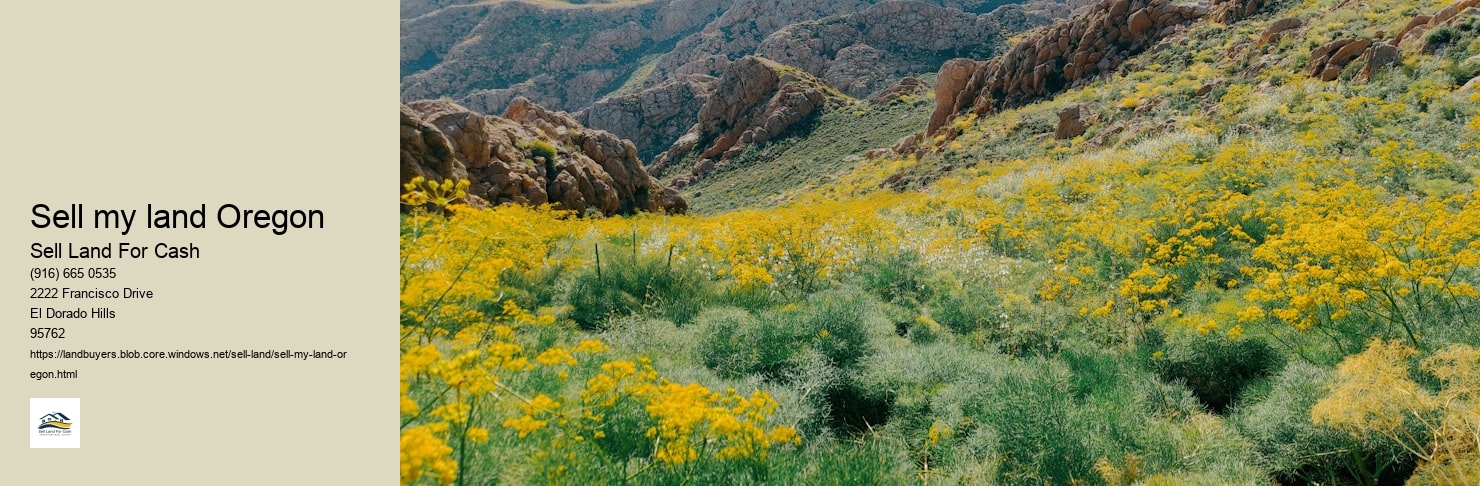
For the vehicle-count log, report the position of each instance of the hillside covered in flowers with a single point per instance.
(1244, 268)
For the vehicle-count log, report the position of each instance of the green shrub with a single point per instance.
(803, 393)
(734, 343)
(541, 148)
(1020, 413)
(898, 278)
(1215, 367)
(1295, 450)
(842, 323)
(1026, 339)
(834, 462)
(966, 310)
(1032, 410)
(625, 284)
(535, 288)
(925, 331)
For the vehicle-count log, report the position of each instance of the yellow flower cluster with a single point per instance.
(422, 452)
(689, 420)
(470, 357)
(423, 193)
(1347, 252)
(1375, 394)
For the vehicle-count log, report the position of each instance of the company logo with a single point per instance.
(55, 420)
(56, 423)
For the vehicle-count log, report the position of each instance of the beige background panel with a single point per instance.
(262, 104)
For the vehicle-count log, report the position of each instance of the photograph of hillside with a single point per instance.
(839, 242)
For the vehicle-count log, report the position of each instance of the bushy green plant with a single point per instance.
(898, 278)
(835, 462)
(1438, 38)
(541, 148)
(842, 322)
(838, 324)
(1216, 368)
(1023, 339)
(628, 284)
(1295, 450)
(535, 288)
(734, 343)
(1021, 414)
(968, 309)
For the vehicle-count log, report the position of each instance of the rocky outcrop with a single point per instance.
(1228, 11)
(417, 8)
(1277, 30)
(1066, 54)
(1071, 122)
(756, 100)
(567, 56)
(909, 86)
(1327, 61)
(530, 155)
(1379, 56)
(651, 118)
(484, 55)
(1412, 34)
(861, 53)
(746, 23)
(949, 85)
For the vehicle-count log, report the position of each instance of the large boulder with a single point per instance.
(1229, 11)
(652, 118)
(909, 86)
(1071, 122)
(1412, 33)
(1277, 30)
(756, 100)
(949, 86)
(1069, 53)
(1329, 60)
(530, 155)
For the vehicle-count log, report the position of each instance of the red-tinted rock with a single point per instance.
(756, 100)
(592, 170)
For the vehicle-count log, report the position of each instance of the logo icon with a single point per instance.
(56, 423)
(55, 420)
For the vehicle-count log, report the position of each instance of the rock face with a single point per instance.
(484, 55)
(949, 85)
(863, 52)
(908, 86)
(743, 27)
(653, 58)
(654, 117)
(1277, 30)
(1328, 61)
(1226, 11)
(1380, 55)
(1071, 122)
(1412, 34)
(756, 100)
(1065, 54)
(589, 170)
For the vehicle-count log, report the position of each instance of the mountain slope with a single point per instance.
(641, 66)
(1244, 251)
